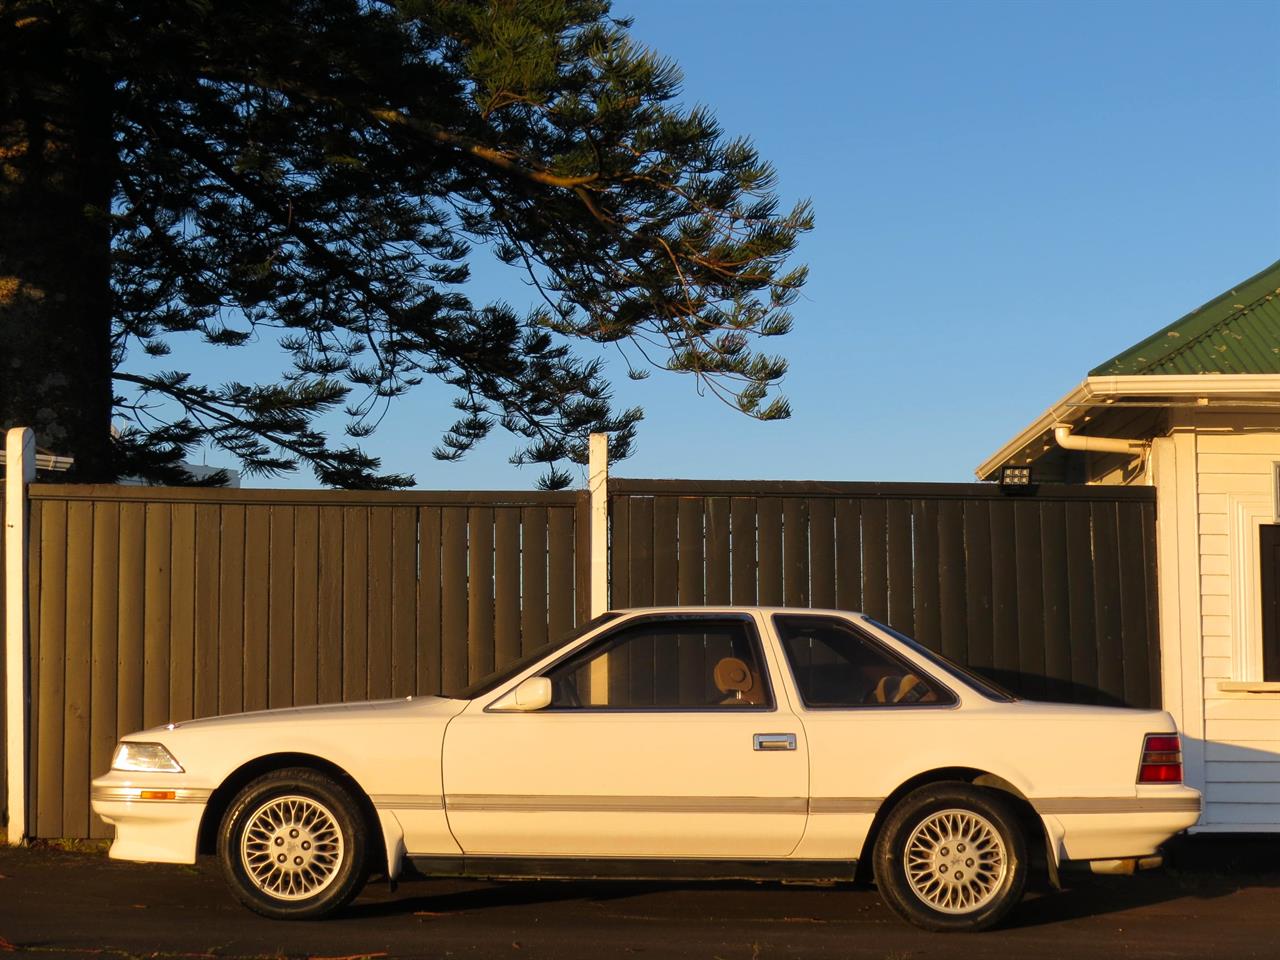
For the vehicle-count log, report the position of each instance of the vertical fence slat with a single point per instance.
(453, 599)
(257, 611)
(480, 593)
(952, 614)
(641, 551)
(560, 572)
(717, 550)
(231, 560)
(35, 564)
(429, 585)
(1106, 586)
(404, 601)
(582, 558)
(848, 544)
(925, 582)
(506, 585)
(104, 643)
(1030, 581)
(78, 687)
(1153, 600)
(979, 605)
(875, 559)
(1106, 603)
(619, 552)
(899, 563)
(769, 551)
(182, 611)
(379, 609)
(355, 603)
(330, 596)
(1133, 603)
(130, 625)
(1004, 593)
(155, 681)
(206, 626)
(691, 586)
(1080, 591)
(533, 577)
(743, 572)
(52, 646)
(822, 552)
(1057, 603)
(280, 628)
(795, 552)
(306, 604)
(665, 553)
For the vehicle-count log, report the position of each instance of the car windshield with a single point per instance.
(490, 682)
(988, 688)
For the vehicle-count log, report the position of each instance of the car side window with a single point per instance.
(836, 665)
(677, 664)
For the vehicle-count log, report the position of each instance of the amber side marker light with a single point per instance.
(157, 795)
(1161, 759)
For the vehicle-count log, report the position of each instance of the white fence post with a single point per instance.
(20, 469)
(598, 484)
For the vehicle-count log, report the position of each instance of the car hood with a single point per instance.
(344, 713)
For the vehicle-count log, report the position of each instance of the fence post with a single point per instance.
(598, 484)
(20, 469)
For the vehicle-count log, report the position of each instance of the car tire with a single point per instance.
(951, 857)
(293, 845)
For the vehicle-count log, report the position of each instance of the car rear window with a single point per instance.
(988, 688)
(837, 665)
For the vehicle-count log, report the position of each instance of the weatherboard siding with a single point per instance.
(1234, 457)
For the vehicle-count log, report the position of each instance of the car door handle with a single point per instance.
(773, 741)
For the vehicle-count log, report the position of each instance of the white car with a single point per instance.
(739, 742)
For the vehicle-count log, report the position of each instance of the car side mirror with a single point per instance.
(532, 694)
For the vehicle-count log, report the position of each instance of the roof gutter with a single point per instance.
(1092, 392)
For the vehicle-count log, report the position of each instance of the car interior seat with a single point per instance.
(900, 689)
(735, 679)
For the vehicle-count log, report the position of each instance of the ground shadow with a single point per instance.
(1201, 867)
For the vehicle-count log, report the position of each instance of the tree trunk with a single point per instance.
(57, 172)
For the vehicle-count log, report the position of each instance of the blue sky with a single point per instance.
(1006, 195)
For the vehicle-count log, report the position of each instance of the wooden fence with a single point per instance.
(150, 605)
(1052, 594)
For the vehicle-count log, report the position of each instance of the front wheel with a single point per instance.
(951, 857)
(293, 845)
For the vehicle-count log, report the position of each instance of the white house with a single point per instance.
(1194, 410)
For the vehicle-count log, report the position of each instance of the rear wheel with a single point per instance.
(951, 857)
(293, 845)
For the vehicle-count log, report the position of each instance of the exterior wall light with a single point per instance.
(1016, 477)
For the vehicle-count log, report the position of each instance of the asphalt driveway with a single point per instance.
(1221, 901)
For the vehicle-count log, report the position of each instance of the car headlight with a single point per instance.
(144, 758)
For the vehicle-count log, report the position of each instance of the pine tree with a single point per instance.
(316, 176)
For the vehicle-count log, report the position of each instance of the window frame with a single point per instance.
(878, 644)
(753, 636)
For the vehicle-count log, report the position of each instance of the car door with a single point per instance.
(665, 737)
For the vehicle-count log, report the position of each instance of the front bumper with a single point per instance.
(156, 820)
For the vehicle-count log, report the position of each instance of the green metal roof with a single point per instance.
(1238, 332)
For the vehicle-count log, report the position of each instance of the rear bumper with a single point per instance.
(1118, 829)
(151, 830)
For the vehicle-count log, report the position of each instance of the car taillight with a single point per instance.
(1161, 759)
